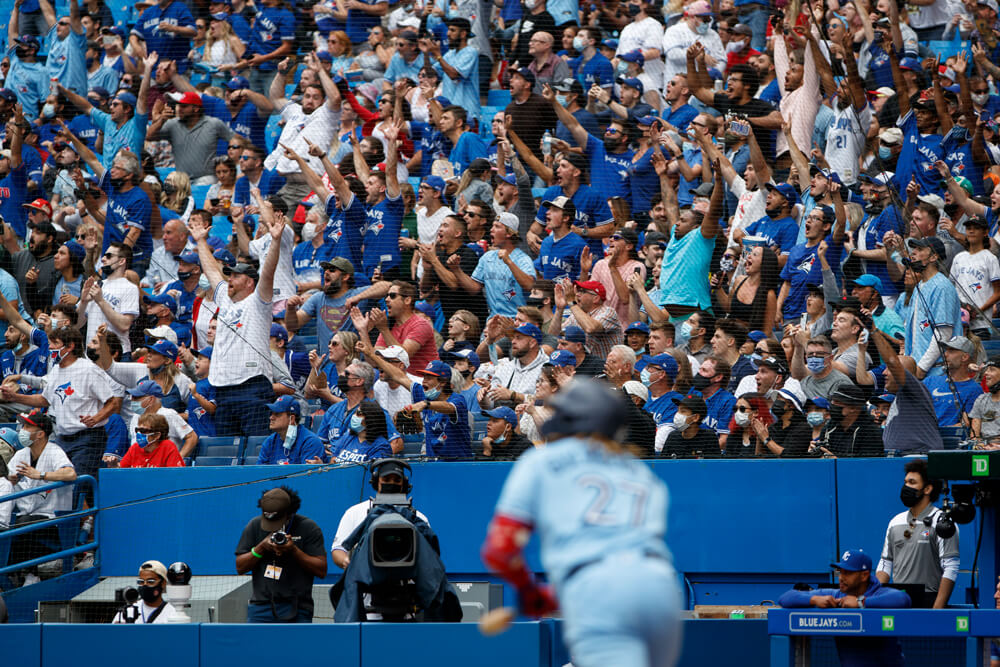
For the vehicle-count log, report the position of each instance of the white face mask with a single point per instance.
(309, 231)
(741, 418)
(680, 421)
(734, 47)
(980, 98)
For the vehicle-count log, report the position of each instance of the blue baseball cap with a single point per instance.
(324, 56)
(425, 307)
(189, 257)
(220, 16)
(237, 83)
(639, 326)
(632, 82)
(504, 413)
(819, 402)
(882, 398)
(435, 182)
(911, 64)
(164, 347)
(868, 280)
(203, 352)
(854, 560)
(786, 191)
(126, 98)
(610, 44)
(146, 388)
(634, 56)
(529, 329)
(163, 299)
(468, 354)
(225, 257)
(75, 249)
(756, 335)
(443, 101)
(278, 331)
(437, 368)
(509, 179)
(9, 435)
(28, 40)
(562, 358)
(666, 362)
(285, 404)
(574, 334)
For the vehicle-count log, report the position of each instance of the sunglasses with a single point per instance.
(146, 582)
(145, 431)
(742, 408)
(611, 130)
(392, 295)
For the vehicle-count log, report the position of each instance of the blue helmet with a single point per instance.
(587, 406)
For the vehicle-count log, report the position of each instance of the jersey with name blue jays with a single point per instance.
(84, 129)
(33, 362)
(448, 435)
(663, 407)
(957, 148)
(591, 211)
(344, 231)
(271, 27)
(611, 170)
(802, 269)
(127, 209)
(585, 503)
(780, 233)
(597, 71)
(80, 389)
(381, 235)
(916, 160)
(335, 427)
(720, 410)
(200, 420)
(560, 258)
(168, 45)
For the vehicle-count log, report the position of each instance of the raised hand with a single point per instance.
(314, 150)
(586, 260)
(362, 323)
(149, 62)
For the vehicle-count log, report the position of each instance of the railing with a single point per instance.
(71, 517)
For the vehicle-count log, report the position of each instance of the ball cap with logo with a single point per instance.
(854, 560)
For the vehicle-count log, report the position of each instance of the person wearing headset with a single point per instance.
(388, 476)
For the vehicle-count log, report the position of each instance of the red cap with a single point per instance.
(592, 286)
(190, 97)
(40, 205)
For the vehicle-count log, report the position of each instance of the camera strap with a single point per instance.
(156, 612)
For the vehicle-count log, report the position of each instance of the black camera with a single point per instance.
(127, 595)
(279, 538)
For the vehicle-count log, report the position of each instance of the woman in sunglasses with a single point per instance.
(151, 448)
(743, 441)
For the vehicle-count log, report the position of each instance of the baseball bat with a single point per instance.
(496, 621)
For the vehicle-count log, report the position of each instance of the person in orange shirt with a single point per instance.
(151, 448)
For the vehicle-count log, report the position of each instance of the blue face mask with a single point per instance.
(622, 68)
(816, 364)
(141, 439)
(755, 358)
(357, 423)
(644, 377)
(884, 152)
(432, 394)
(815, 418)
(563, 100)
(683, 334)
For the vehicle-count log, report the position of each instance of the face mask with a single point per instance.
(562, 100)
(727, 265)
(580, 46)
(755, 358)
(918, 267)
(644, 377)
(622, 68)
(994, 388)
(815, 418)
(778, 409)
(90, 62)
(203, 282)
(117, 182)
(910, 496)
(24, 437)
(683, 334)
(357, 423)
(48, 110)
(290, 433)
(57, 323)
(432, 394)
(873, 207)
(734, 47)
(309, 231)
(58, 355)
(836, 413)
(980, 99)
(680, 421)
(169, 189)
(633, 10)
(534, 301)
(342, 384)
(701, 28)
(149, 594)
(816, 365)
(884, 152)
(108, 41)
(92, 354)
(500, 438)
(141, 439)
(530, 4)
(741, 418)
(700, 382)
(771, 212)
(184, 275)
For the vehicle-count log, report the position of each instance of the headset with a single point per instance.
(376, 467)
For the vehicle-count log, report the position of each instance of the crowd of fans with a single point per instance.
(774, 229)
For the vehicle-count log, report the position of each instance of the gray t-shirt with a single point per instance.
(850, 358)
(917, 559)
(912, 423)
(825, 386)
(194, 148)
(987, 410)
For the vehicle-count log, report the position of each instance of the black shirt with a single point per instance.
(755, 108)
(530, 119)
(641, 429)
(510, 450)
(530, 24)
(456, 298)
(795, 439)
(704, 444)
(294, 583)
(862, 438)
(591, 366)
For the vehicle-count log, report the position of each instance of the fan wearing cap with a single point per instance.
(688, 436)
(867, 289)
(129, 210)
(528, 111)
(290, 442)
(151, 608)
(562, 250)
(937, 313)
(619, 265)
(150, 399)
(954, 395)
(502, 441)
(693, 27)
(636, 337)
(593, 220)
(445, 414)
(873, 247)
(163, 308)
(804, 266)
(922, 143)
(192, 134)
(857, 588)
(283, 570)
(28, 76)
(659, 374)
(505, 274)
(778, 229)
(972, 270)
(151, 447)
(585, 301)
(459, 67)
(570, 96)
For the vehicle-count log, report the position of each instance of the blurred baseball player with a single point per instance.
(601, 516)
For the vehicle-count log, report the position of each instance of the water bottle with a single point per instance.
(53, 86)
(547, 143)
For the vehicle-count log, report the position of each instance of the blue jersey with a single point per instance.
(32, 161)
(944, 398)
(644, 182)
(560, 259)
(879, 67)
(118, 437)
(596, 71)
(874, 231)
(29, 81)
(591, 211)
(586, 120)
(127, 209)
(359, 23)
(272, 26)
(681, 117)
(131, 135)
(305, 262)
(611, 170)
(216, 108)
(298, 367)
(198, 418)
(335, 427)
(585, 503)
(13, 193)
(469, 147)
(432, 144)
(916, 160)
(306, 446)
(381, 235)
(269, 184)
(780, 233)
(720, 410)
(353, 450)
(248, 123)
(503, 293)
(448, 436)
(801, 270)
(66, 60)
(344, 230)
(663, 407)
(185, 301)
(936, 305)
(34, 362)
(84, 130)
(168, 45)
(957, 148)
(400, 69)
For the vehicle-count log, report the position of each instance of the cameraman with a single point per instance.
(285, 552)
(151, 608)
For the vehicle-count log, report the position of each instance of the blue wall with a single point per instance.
(740, 531)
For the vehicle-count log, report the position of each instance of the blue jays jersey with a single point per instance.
(585, 503)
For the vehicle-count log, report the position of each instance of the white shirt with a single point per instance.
(177, 428)
(845, 140)
(284, 276)
(144, 611)
(676, 40)
(123, 296)
(6, 488)
(242, 347)
(427, 226)
(162, 268)
(750, 205)
(645, 34)
(393, 400)
(974, 275)
(319, 127)
(52, 458)
(79, 389)
(353, 518)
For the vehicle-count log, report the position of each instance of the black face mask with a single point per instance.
(150, 594)
(117, 182)
(700, 382)
(917, 267)
(873, 207)
(387, 487)
(534, 301)
(836, 414)
(778, 409)
(169, 189)
(106, 271)
(771, 212)
(92, 354)
(21, 51)
(994, 388)
(184, 275)
(342, 383)
(910, 496)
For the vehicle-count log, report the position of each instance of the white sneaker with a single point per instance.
(30, 578)
(86, 561)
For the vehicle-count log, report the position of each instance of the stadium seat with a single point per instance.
(164, 172)
(271, 132)
(198, 193)
(414, 182)
(952, 436)
(252, 450)
(223, 446)
(412, 444)
(205, 461)
(498, 98)
(947, 49)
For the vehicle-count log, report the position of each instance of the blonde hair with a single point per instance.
(349, 341)
(177, 201)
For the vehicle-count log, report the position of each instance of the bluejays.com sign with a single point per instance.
(818, 622)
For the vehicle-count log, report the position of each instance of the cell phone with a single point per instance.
(214, 202)
(637, 271)
(739, 128)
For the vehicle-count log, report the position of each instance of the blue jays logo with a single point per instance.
(510, 294)
(926, 533)
(976, 286)
(335, 235)
(806, 265)
(375, 227)
(63, 391)
(924, 324)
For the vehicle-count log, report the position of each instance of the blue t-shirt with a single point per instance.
(917, 158)
(306, 446)
(663, 407)
(644, 182)
(131, 134)
(591, 211)
(270, 183)
(469, 147)
(66, 59)
(432, 144)
(465, 90)
(248, 123)
(381, 235)
(272, 26)
(944, 399)
(127, 209)
(879, 67)
(198, 418)
(503, 293)
(682, 117)
(345, 229)
(13, 193)
(71, 287)
(400, 69)
(352, 450)
(331, 315)
(684, 270)
(448, 436)
(598, 70)
(771, 93)
(29, 81)
(781, 232)
(560, 259)
(611, 170)
(586, 119)
(168, 45)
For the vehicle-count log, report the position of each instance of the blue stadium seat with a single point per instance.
(947, 49)
(952, 435)
(164, 172)
(414, 181)
(309, 341)
(498, 98)
(204, 461)
(252, 450)
(271, 132)
(231, 446)
(412, 444)
(198, 193)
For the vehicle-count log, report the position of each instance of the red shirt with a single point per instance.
(164, 456)
(419, 329)
(741, 58)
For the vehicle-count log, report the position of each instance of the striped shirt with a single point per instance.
(600, 344)
(242, 349)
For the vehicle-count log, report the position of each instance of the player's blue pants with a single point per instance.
(622, 611)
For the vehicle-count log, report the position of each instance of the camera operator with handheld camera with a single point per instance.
(145, 603)
(284, 551)
(391, 557)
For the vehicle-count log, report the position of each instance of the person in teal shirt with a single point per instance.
(685, 266)
(66, 46)
(459, 67)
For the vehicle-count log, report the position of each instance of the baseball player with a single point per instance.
(601, 516)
